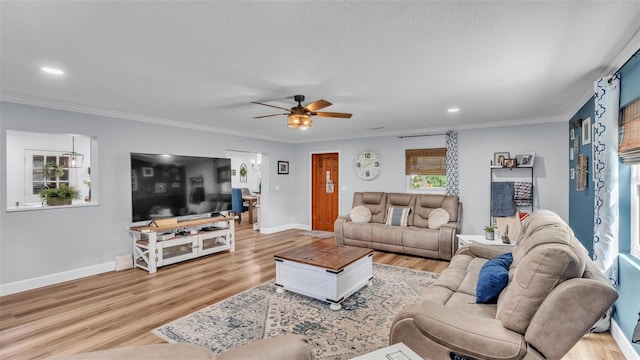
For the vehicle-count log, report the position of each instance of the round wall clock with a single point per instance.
(368, 164)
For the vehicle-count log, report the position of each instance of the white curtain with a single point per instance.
(452, 163)
(605, 171)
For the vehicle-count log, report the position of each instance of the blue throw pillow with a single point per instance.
(494, 276)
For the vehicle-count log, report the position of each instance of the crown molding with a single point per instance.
(65, 106)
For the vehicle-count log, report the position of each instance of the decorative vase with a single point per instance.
(488, 235)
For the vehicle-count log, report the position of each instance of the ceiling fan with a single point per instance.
(299, 117)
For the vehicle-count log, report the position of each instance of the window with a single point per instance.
(29, 155)
(635, 210)
(426, 170)
(35, 180)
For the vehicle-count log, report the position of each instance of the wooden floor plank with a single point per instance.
(119, 309)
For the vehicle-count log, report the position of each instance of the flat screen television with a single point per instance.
(164, 186)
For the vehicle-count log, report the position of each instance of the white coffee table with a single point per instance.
(324, 271)
(398, 351)
(464, 239)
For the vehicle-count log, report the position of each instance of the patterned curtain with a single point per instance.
(452, 163)
(605, 171)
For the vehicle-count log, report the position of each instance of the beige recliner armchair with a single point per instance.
(553, 296)
(284, 347)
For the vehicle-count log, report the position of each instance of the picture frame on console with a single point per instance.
(525, 159)
(500, 157)
(510, 163)
(283, 167)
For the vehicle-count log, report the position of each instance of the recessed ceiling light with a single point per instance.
(453, 110)
(50, 70)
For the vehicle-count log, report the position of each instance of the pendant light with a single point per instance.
(75, 159)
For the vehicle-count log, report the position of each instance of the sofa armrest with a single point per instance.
(480, 337)
(447, 242)
(338, 228)
(283, 347)
(488, 251)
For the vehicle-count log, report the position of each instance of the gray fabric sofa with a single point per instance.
(416, 238)
(553, 296)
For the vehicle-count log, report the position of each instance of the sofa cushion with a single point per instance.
(360, 214)
(426, 203)
(493, 278)
(437, 218)
(376, 202)
(402, 200)
(397, 216)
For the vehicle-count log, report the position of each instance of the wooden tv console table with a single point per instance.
(155, 246)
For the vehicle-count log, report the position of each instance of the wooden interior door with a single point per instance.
(324, 203)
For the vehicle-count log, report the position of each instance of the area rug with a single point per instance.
(360, 327)
(318, 233)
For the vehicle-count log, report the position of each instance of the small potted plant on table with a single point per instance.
(488, 232)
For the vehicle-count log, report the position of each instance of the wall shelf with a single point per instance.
(513, 174)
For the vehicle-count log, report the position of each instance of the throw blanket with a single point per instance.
(523, 194)
(502, 203)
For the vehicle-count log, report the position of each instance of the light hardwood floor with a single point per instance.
(119, 309)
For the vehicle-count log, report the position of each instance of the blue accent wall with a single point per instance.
(581, 209)
(581, 202)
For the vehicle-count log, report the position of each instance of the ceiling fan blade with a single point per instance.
(264, 116)
(273, 106)
(333, 114)
(317, 105)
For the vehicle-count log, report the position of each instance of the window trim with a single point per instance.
(635, 211)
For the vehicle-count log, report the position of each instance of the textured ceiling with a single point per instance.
(396, 66)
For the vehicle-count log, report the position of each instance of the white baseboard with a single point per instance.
(623, 342)
(30, 284)
(276, 229)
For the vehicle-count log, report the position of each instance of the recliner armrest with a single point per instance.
(488, 251)
(338, 229)
(467, 334)
(447, 242)
(285, 347)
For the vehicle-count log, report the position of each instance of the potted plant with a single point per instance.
(488, 232)
(62, 195)
(52, 171)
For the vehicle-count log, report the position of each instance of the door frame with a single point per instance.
(310, 184)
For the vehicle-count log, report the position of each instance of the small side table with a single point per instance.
(464, 239)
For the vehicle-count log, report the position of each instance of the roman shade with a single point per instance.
(629, 149)
(426, 161)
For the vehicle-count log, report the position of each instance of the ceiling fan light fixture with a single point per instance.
(299, 121)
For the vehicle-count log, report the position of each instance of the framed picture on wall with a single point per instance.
(586, 131)
(283, 167)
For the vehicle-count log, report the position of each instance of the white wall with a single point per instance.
(475, 151)
(44, 242)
